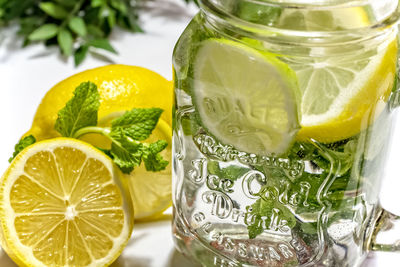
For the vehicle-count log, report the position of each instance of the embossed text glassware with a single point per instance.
(283, 112)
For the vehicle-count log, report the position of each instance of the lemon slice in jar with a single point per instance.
(245, 98)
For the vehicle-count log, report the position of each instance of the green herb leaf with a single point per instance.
(65, 41)
(53, 10)
(67, 3)
(90, 22)
(263, 212)
(78, 26)
(120, 6)
(111, 18)
(80, 111)
(309, 228)
(137, 123)
(152, 159)
(22, 144)
(98, 3)
(44, 32)
(95, 31)
(126, 153)
(234, 172)
(80, 54)
(102, 44)
(231, 172)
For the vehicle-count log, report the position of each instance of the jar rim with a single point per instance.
(391, 18)
(312, 3)
(300, 3)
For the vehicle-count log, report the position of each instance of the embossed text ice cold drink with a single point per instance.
(283, 116)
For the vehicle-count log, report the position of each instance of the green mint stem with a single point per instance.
(87, 130)
(105, 131)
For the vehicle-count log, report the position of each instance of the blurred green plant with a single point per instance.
(77, 26)
(194, 1)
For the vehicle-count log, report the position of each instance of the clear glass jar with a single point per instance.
(286, 174)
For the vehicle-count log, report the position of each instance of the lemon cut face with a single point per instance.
(63, 205)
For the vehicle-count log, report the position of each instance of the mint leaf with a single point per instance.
(44, 32)
(153, 161)
(263, 212)
(22, 144)
(126, 153)
(231, 172)
(53, 10)
(78, 26)
(234, 172)
(137, 123)
(310, 228)
(80, 111)
(65, 41)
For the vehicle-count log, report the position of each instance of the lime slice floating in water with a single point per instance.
(245, 98)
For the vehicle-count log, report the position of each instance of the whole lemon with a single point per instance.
(121, 88)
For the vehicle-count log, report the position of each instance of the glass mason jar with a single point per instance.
(283, 113)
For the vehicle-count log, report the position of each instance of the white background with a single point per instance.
(26, 75)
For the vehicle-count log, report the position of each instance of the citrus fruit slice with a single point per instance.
(121, 88)
(246, 98)
(341, 96)
(62, 204)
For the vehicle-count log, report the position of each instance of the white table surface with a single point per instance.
(26, 75)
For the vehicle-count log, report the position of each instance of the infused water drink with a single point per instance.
(283, 113)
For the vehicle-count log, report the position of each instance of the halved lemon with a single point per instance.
(63, 204)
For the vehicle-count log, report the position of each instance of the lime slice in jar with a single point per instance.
(246, 98)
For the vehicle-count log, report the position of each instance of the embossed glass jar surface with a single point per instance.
(317, 203)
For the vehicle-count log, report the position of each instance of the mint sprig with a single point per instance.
(79, 117)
